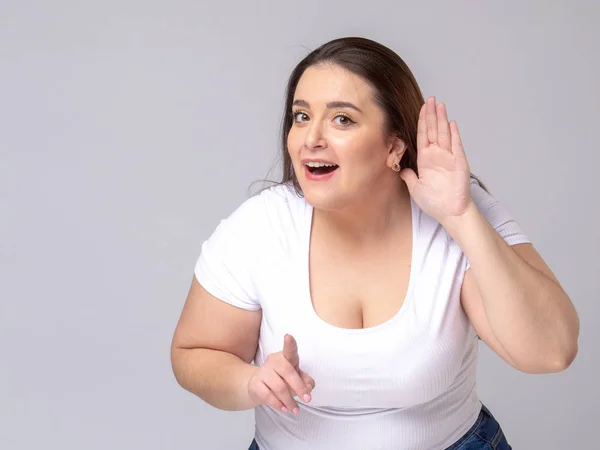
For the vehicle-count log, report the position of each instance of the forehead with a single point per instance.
(324, 83)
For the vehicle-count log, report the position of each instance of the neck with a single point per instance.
(371, 218)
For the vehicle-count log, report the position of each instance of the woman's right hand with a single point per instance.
(280, 379)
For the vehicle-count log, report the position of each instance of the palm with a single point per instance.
(442, 188)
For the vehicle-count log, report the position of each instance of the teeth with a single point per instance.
(319, 164)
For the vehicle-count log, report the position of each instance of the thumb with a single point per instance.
(307, 379)
(410, 178)
(290, 350)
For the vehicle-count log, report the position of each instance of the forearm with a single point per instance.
(528, 312)
(219, 378)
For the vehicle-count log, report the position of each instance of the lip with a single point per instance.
(323, 177)
(307, 160)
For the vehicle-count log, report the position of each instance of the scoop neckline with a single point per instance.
(307, 297)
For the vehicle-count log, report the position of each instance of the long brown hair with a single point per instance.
(396, 92)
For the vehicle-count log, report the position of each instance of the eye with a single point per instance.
(346, 120)
(296, 113)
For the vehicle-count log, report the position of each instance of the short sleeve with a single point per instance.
(224, 267)
(498, 216)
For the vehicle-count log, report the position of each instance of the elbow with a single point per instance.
(550, 363)
(561, 361)
(557, 364)
(565, 349)
(178, 365)
(564, 360)
(175, 366)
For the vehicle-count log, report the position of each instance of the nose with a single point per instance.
(315, 138)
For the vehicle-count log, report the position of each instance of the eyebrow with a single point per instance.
(330, 105)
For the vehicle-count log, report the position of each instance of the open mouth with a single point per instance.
(321, 168)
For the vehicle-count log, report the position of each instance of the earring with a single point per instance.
(396, 167)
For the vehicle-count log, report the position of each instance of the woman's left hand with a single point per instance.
(442, 189)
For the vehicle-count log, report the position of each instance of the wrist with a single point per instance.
(250, 372)
(462, 223)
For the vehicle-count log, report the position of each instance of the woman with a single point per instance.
(359, 285)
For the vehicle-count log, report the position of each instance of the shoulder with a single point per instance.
(266, 212)
(482, 198)
(276, 200)
(269, 200)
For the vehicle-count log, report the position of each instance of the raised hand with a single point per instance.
(280, 379)
(442, 189)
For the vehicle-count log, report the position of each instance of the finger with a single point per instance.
(269, 398)
(281, 391)
(431, 119)
(422, 140)
(294, 381)
(457, 146)
(443, 128)
(307, 379)
(410, 178)
(290, 350)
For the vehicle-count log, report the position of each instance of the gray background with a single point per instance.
(129, 129)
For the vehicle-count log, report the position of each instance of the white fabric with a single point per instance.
(409, 383)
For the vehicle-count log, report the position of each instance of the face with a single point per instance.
(337, 143)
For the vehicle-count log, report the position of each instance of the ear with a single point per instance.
(396, 147)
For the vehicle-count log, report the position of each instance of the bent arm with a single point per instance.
(514, 301)
(212, 348)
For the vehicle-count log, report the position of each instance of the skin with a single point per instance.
(512, 298)
(364, 184)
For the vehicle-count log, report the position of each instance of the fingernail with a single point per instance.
(296, 410)
(306, 398)
(284, 409)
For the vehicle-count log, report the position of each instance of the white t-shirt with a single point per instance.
(408, 383)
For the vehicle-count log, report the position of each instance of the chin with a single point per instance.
(323, 198)
(325, 193)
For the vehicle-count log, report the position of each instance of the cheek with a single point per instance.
(293, 145)
(360, 153)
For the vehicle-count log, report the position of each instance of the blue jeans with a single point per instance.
(485, 434)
